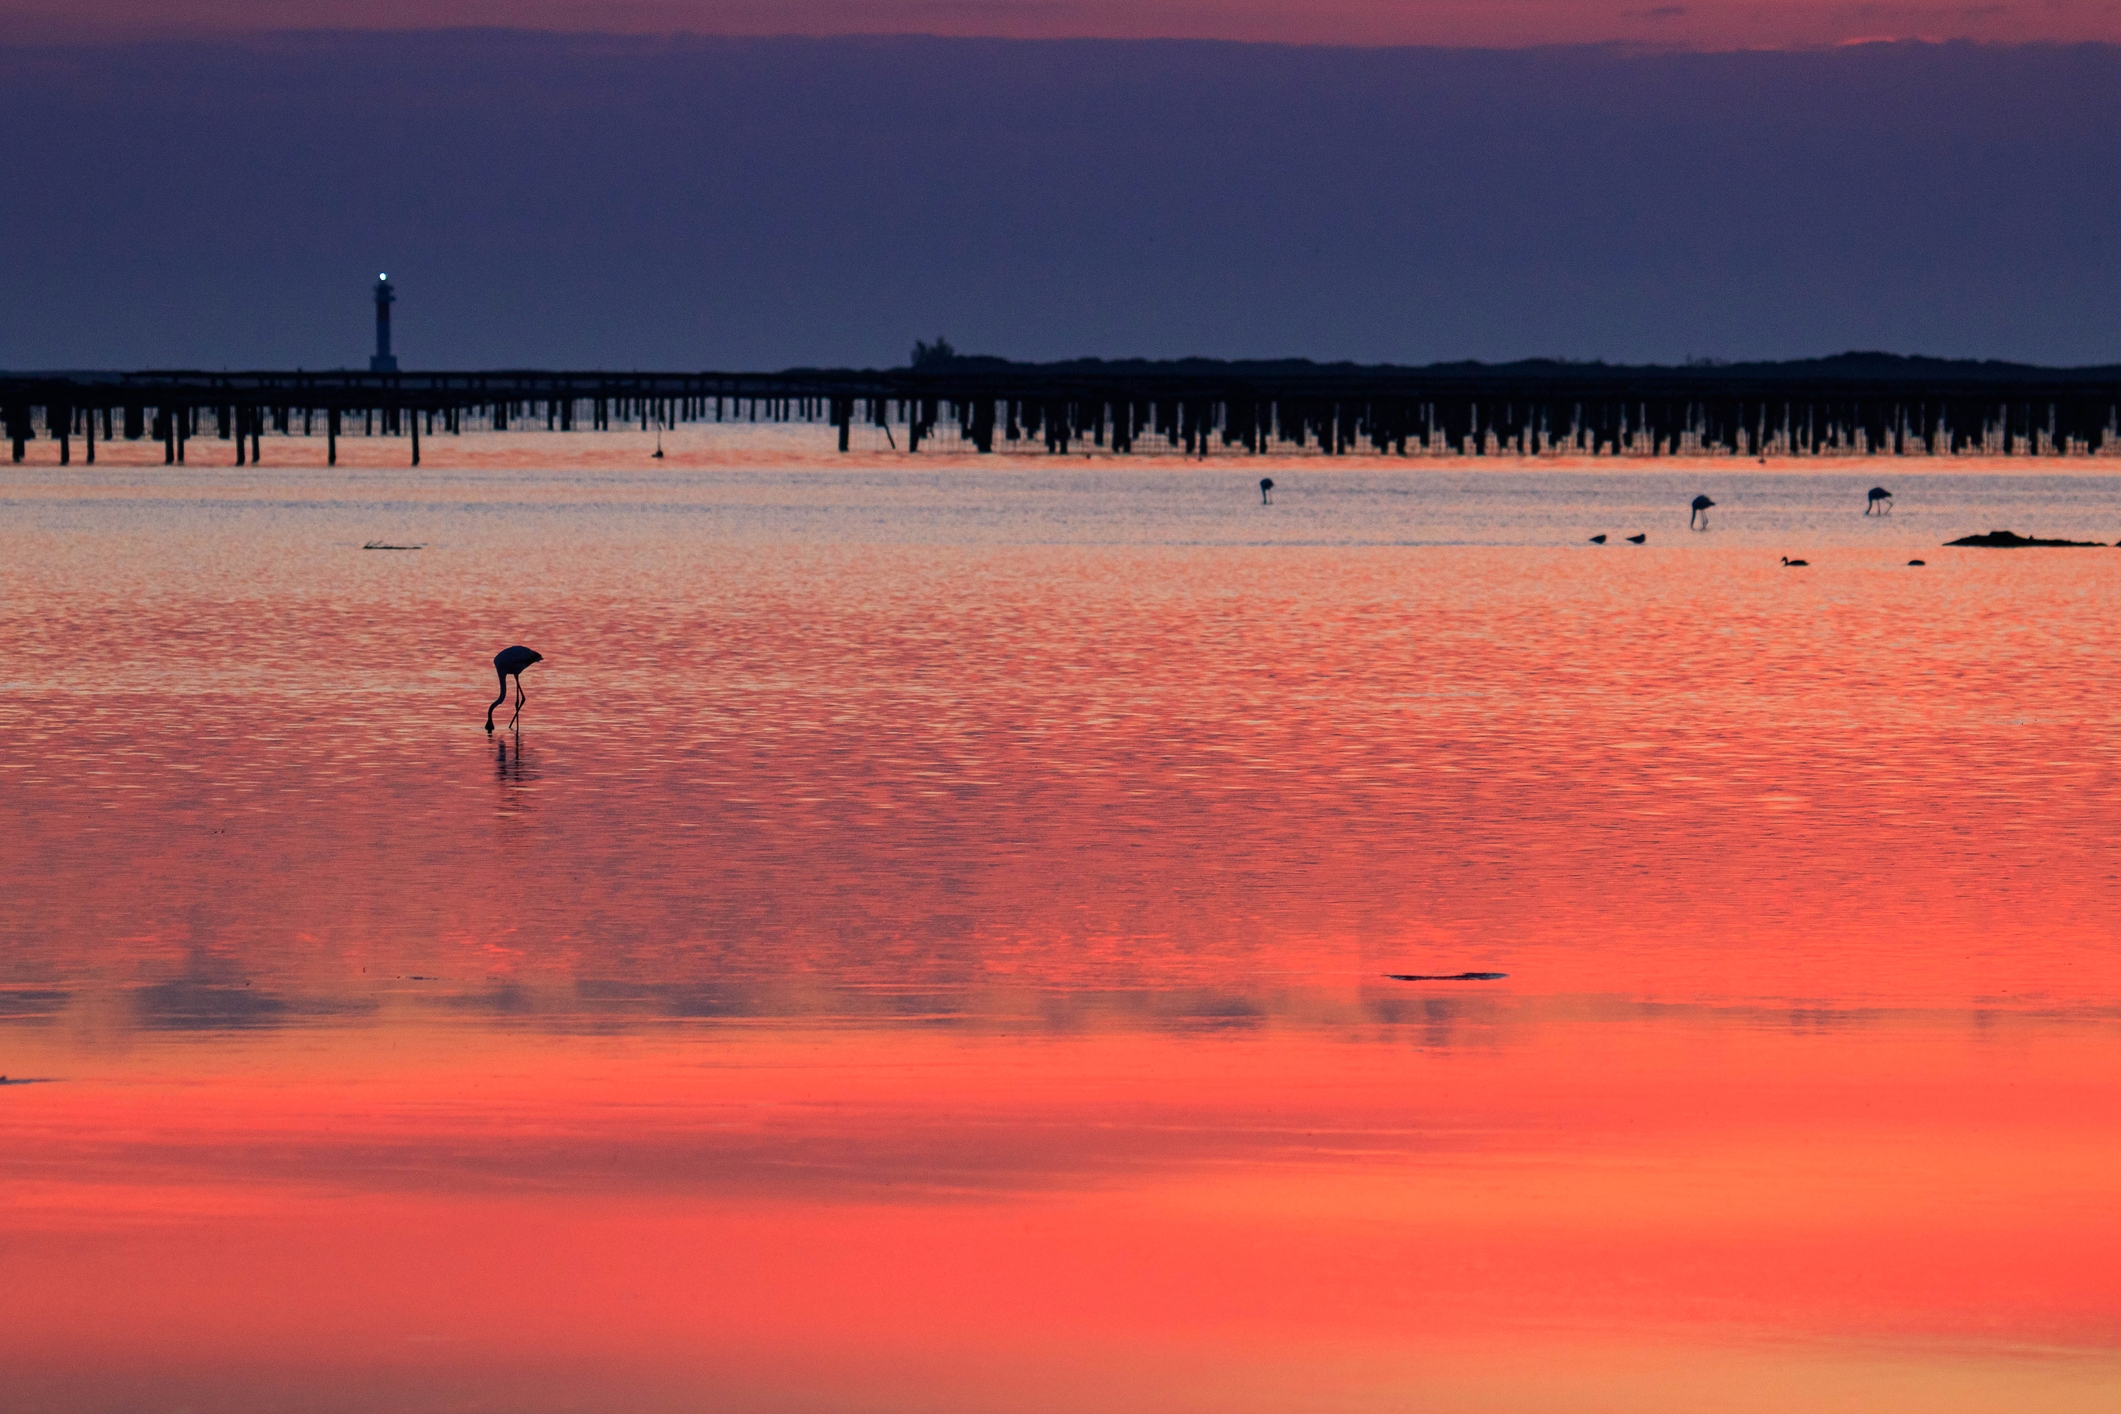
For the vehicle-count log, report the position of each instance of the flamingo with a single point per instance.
(1876, 497)
(1701, 513)
(1266, 490)
(510, 663)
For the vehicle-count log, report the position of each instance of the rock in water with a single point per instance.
(2010, 540)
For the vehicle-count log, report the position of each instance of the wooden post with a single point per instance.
(415, 420)
(257, 425)
(240, 413)
(91, 431)
(331, 437)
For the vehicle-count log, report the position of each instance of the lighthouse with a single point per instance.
(384, 361)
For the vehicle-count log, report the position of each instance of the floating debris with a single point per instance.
(2011, 540)
(1451, 977)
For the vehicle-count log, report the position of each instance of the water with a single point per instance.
(925, 946)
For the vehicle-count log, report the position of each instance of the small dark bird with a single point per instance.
(1266, 490)
(510, 663)
(1598, 540)
(1878, 499)
(1794, 564)
(1918, 562)
(1638, 539)
(1701, 513)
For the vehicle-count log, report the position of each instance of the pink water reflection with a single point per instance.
(924, 947)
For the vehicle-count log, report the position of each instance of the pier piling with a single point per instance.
(1857, 406)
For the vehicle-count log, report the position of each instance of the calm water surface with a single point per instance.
(924, 948)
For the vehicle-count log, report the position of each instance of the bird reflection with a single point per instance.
(513, 769)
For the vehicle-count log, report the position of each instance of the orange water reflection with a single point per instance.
(924, 949)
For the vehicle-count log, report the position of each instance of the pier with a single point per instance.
(1852, 405)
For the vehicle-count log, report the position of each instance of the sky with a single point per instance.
(1702, 24)
(725, 202)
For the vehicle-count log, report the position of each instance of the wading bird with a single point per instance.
(1701, 513)
(510, 663)
(1878, 499)
(1638, 539)
(1266, 490)
(1789, 563)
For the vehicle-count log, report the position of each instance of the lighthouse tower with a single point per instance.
(383, 362)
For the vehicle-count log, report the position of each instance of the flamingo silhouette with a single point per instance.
(1878, 499)
(510, 663)
(1266, 490)
(1701, 513)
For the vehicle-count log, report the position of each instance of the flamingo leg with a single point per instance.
(520, 699)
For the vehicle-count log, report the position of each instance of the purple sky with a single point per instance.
(1704, 24)
(544, 199)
